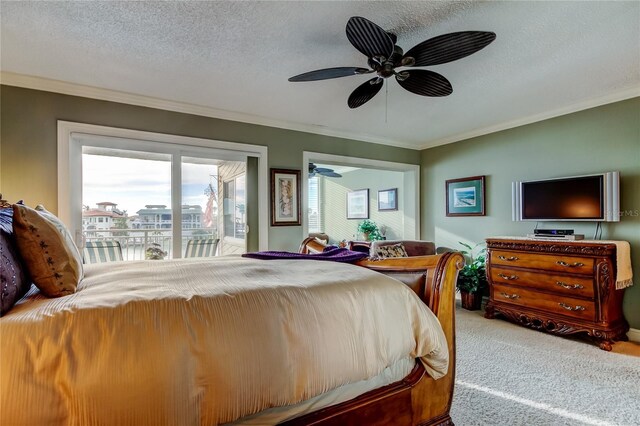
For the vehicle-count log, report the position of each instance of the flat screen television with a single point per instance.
(577, 198)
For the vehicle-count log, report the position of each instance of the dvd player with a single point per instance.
(556, 237)
(553, 231)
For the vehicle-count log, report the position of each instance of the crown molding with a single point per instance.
(66, 88)
(622, 95)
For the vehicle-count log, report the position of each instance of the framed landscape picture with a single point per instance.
(388, 199)
(285, 197)
(465, 196)
(358, 204)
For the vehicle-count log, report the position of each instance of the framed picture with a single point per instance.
(285, 197)
(465, 196)
(358, 204)
(388, 199)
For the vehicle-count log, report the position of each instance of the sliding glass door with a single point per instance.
(154, 200)
(126, 200)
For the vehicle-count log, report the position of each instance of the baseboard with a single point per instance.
(634, 335)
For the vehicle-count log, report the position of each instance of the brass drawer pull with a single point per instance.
(507, 277)
(569, 286)
(510, 258)
(510, 296)
(570, 265)
(569, 308)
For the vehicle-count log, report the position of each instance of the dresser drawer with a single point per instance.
(561, 284)
(557, 304)
(549, 262)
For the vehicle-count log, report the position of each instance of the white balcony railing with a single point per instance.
(134, 242)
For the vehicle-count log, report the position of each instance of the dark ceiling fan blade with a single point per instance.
(322, 171)
(365, 92)
(327, 73)
(449, 47)
(331, 174)
(425, 83)
(369, 38)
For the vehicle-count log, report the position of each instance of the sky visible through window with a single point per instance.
(133, 183)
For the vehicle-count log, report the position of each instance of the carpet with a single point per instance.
(510, 375)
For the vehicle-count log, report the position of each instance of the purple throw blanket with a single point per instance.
(330, 253)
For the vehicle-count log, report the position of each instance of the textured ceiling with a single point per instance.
(237, 56)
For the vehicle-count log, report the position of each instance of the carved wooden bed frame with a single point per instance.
(417, 399)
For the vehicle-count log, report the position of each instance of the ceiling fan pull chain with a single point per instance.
(386, 102)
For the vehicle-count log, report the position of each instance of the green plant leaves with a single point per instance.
(473, 276)
(369, 227)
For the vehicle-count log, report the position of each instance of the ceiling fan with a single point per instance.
(322, 171)
(384, 56)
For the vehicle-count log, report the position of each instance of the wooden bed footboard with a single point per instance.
(417, 399)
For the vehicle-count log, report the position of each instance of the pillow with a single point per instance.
(391, 250)
(14, 282)
(49, 255)
(65, 233)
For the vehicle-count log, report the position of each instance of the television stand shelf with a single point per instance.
(561, 287)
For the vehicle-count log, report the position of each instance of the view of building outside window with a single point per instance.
(126, 198)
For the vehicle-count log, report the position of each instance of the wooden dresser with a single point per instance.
(557, 286)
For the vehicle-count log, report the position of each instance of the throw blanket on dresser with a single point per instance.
(205, 341)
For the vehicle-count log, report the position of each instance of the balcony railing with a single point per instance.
(134, 242)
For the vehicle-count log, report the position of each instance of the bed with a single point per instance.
(155, 343)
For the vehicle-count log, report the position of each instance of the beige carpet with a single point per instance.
(509, 375)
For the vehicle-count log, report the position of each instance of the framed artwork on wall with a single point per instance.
(465, 196)
(285, 197)
(388, 199)
(358, 204)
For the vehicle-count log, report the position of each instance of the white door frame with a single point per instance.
(411, 185)
(70, 166)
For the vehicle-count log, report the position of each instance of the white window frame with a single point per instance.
(234, 239)
(70, 145)
(411, 185)
(318, 201)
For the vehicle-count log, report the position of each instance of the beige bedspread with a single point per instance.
(205, 341)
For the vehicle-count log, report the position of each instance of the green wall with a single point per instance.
(333, 201)
(28, 143)
(597, 140)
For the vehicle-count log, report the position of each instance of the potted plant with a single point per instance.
(154, 252)
(472, 279)
(369, 230)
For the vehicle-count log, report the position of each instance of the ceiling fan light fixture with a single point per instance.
(361, 71)
(402, 75)
(408, 61)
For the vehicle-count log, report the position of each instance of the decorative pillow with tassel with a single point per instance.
(47, 250)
